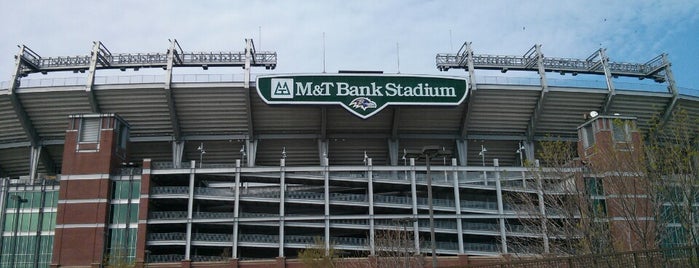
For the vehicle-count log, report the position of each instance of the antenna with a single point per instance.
(284, 152)
(323, 52)
(398, 55)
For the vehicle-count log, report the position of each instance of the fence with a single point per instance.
(669, 257)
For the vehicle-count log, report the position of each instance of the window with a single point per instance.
(89, 130)
(621, 131)
(122, 133)
(588, 136)
(594, 186)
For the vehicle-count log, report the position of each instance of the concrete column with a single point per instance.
(236, 210)
(190, 212)
(282, 195)
(370, 195)
(501, 210)
(326, 191)
(177, 152)
(457, 206)
(413, 191)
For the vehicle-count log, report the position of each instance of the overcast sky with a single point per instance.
(360, 35)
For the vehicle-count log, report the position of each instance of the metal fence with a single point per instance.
(669, 257)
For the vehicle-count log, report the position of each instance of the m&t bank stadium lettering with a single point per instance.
(372, 90)
(362, 95)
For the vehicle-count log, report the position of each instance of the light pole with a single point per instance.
(201, 153)
(428, 152)
(482, 154)
(521, 148)
(19, 201)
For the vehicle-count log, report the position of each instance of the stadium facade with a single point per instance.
(181, 169)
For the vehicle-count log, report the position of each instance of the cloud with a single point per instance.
(360, 34)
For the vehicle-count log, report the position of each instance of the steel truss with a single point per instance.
(594, 64)
(31, 62)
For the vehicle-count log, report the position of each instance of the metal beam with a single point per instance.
(173, 56)
(27, 126)
(672, 88)
(467, 53)
(604, 61)
(650, 69)
(539, 109)
(38, 155)
(99, 54)
(36, 64)
(249, 48)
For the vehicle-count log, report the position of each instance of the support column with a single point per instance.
(501, 210)
(413, 191)
(177, 152)
(542, 210)
(99, 54)
(672, 87)
(326, 191)
(282, 195)
(462, 151)
(608, 77)
(144, 196)
(34, 154)
(236, 210)
(370, 195)
(322, 150)
(529, 150)
(190, 211)
(393, 151)
(251, 146)
(457, 206)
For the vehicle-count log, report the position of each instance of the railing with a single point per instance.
(669, 257)
(228, 78)
(341, 197)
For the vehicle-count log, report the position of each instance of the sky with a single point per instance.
(389, 36)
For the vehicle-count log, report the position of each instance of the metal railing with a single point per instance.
(669, 257)
(230, 78)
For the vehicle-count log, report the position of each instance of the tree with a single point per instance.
(396, 248)
(673, 167)
(558, 209)
(627, 190)
(316, 256)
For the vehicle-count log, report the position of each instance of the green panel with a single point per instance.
(363, 95)
(119, 213)
(24, 251)
(122, 246)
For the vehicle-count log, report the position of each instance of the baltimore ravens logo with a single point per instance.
(363, 103)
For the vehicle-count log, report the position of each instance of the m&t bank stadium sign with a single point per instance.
(363, 95)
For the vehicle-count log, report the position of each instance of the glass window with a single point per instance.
(588, 136)
(594, 186)
(135, 189)
(620, 131)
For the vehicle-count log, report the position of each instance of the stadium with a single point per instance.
(177, 170)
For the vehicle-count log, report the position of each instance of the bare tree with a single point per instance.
(316, 256)
(673, 168)
(396, 248)
(558, 208)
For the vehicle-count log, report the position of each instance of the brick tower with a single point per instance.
(95, 146)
